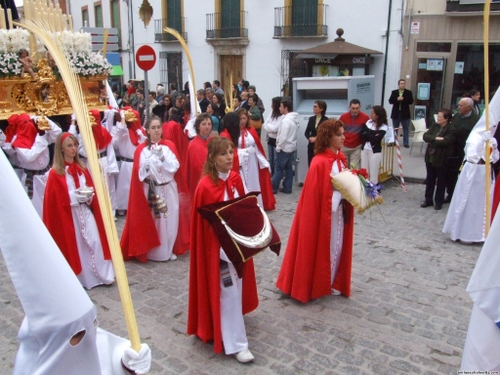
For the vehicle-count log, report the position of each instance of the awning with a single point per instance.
(116, 71)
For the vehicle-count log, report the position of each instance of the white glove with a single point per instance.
(138, 362)
(487, 136)
(122, 114)
(82, 198)
(139, 133)
(157, 151)
(73, 117)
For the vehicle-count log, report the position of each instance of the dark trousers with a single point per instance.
(435, 179)
(310, 153)
(451, 172)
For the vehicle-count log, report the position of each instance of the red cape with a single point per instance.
(196, 157)
(58, 219)
(139, 233)
(305, 272)
(266, 186)
(204, 270)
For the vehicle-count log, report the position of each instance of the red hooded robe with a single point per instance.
(306, 271)
(204, 270)
(196, 157)
(58, 219)
(139, 234)
(266, 186)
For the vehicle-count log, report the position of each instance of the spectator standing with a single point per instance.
(212, 110)
(319, 110)
(440, 138)
(286, 145)
(173, 90)
(353, 125)
(401, 99)
(216, 87)
(252, 91)
(372, 135)
(244, 100)
(160, 91)
(271, 125)
(463, 121)
(475, 95)
(202, 100)
(255, 113)
(209, 93)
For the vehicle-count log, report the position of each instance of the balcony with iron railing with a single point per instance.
(226, 25)
(300, 21)
(163, 37)
(470, 6)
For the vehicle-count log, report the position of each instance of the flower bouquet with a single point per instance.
(354, 186)
(11, 42)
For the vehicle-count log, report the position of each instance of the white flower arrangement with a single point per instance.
(78, 48)
(11, 41)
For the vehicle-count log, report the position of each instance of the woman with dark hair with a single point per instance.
(318, 257)
(255, 113)
(319, 110)
(152, 221)
(475, 95)
(235, 91)
(250, 159)
(219, 100)
(440, 138)
(70, 200)
(218, 298)
(372, 134)
(271, 126)
(197, 150)
(212, 110)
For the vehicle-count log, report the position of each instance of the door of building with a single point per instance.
(231, 67)
(428, 98)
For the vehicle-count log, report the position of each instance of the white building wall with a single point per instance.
(364, 23)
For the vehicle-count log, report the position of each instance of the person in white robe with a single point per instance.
(482, 345)
(157, 168)
(59, 333)
(466, 216)
(128, 134)
(34, 159)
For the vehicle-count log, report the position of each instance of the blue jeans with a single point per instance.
(284, 165)
(406, 128)
(271, 156)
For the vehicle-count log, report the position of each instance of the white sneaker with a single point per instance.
(173, 257)
(336, 292)
(244, 356)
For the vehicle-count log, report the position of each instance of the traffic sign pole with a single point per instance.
(146, 60)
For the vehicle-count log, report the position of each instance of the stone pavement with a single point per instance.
(408, 313)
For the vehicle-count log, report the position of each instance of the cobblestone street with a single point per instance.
(408, 312)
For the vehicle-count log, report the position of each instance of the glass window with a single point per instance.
(98, 15)
(85, 17)
(115, 19)
(433, 47)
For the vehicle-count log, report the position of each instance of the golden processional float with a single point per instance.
(47, 69)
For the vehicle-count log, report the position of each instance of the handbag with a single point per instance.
(242, 228)
(257, 124)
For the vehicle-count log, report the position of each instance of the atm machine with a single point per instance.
(337, 92)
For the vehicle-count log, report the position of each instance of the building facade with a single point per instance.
(443, 53)
(256, 40)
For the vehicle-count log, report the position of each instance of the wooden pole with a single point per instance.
(487, 110)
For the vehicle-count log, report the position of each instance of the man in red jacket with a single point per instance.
(353, 124)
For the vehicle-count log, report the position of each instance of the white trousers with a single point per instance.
(371, 162)
(234, 335)
(336, 241)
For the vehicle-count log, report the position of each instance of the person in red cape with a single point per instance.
(318, 255)
(172, 131)
(150, 232)
(250, 159)
(217, 297)
(198, 150)
(70, 200)
(128, 134)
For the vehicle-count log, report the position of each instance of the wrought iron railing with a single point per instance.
(226, 25)
(161, 36)
(297, 21)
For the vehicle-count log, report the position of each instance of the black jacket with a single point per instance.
(311, 128)
(405, 104)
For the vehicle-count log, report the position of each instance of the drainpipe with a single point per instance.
(388, 33)
(131, 43)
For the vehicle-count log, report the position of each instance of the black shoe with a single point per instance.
(406, 146)
(447, 199)
(438, 206)
(425, 204)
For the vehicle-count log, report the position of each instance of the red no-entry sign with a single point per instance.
(145, 57)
